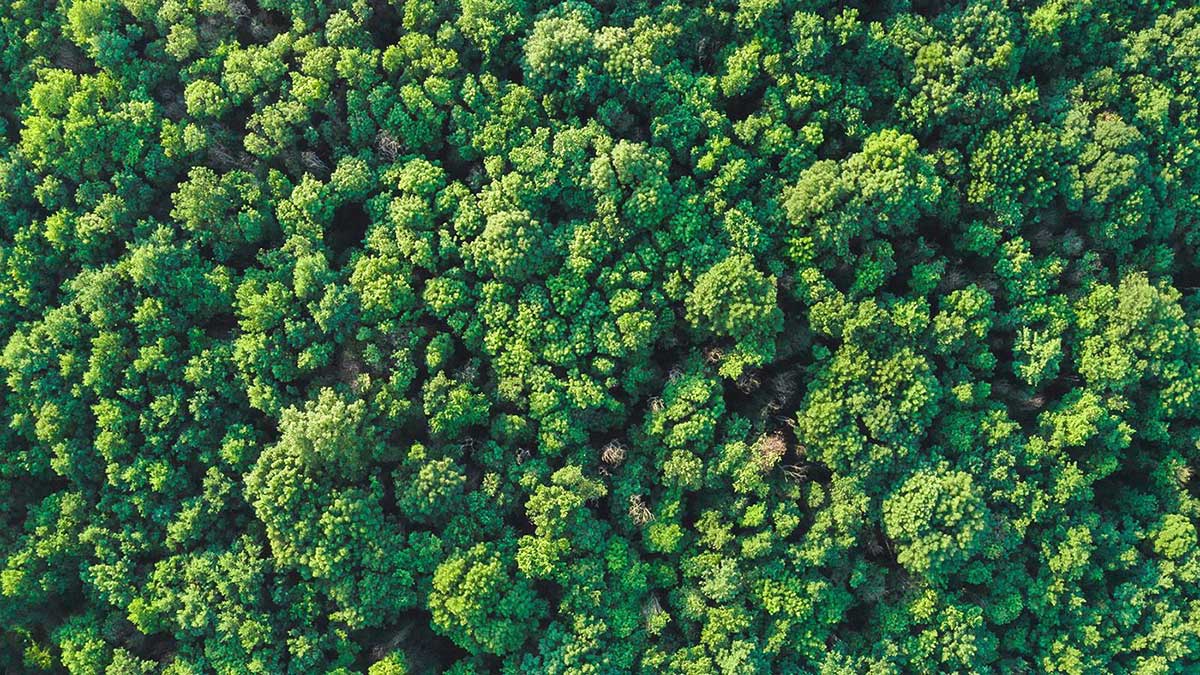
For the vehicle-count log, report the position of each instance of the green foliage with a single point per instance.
(731, 299)
(599, 337)
(937, 519)
(482, 603)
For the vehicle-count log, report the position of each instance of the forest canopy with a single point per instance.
(599, 336)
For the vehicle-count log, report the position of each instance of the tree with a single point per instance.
(482, 603)
(733, 299)
(937, 518)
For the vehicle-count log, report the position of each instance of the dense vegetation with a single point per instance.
(387, 336)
